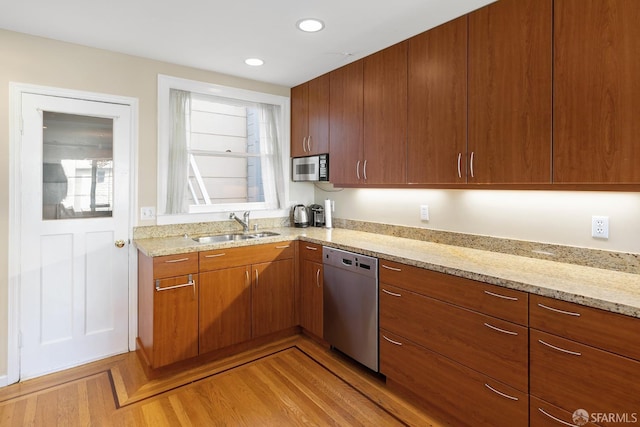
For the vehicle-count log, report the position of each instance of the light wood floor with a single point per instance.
(293, 381)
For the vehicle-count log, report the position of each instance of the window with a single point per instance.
(220, 149)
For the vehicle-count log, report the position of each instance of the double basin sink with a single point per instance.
(232, 237)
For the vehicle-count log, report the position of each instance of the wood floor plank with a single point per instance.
(293, 382)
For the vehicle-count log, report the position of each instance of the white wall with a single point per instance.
(558, 217)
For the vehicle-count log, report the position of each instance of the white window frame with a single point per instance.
(221, 211)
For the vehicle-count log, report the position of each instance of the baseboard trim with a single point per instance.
(4, 380)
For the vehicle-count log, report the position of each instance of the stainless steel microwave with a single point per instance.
(310, 168)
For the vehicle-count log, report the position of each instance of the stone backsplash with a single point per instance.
(617, 261)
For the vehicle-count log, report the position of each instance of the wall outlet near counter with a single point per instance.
(600, 227)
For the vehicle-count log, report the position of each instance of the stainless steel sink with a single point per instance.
(231, 237)
(262, 234)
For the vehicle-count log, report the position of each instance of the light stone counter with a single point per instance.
(594, 287)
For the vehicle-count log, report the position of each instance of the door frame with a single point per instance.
(16, 90)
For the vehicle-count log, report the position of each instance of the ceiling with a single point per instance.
(219, 35)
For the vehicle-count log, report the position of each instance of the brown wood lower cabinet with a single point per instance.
(571, 376)
(192, 304)
(273, 298)
(225, 308)
(311, 288)
(168, 291)
(458, 394)
(544, 414)
(484, 343)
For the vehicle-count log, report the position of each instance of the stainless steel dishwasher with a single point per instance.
(351, 304)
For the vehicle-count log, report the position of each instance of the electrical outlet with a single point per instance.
(600, 227)
(424, 212)
(147, 212)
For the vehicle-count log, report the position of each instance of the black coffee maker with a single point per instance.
(317, 215)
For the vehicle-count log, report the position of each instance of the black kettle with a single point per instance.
(300, 216)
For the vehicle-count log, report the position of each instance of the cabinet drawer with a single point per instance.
(235, 257)
(544, 414)
(599, 328)
(175, 265)
(571, 375)
(496, 301)
(492, 346)
(311, 251)
(463, 395)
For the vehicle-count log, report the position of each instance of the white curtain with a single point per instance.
(272, 170)
(178, 162)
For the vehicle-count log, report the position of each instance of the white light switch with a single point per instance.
(424, 212)
(147, 212)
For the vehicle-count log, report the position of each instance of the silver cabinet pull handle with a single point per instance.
(246, 273)
(256, 277)
(309, 143)
(568, 313)
(214, 255)
(283, 247)
(575, 353)
(191, 282)
(556, 419)
(459, 168)
(392, 341)
(471, 164)
(390, 268)
(311, 248)
(501, 296)
(318, 278)
(393, 294)
(358, 169)
(495, 328)
(171, 261)
(364, 170)
(304, 147)
(498, 392)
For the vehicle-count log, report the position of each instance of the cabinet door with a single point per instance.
(437, 105)
(385, 116)
(597, 91)
(510, 52)
(273, 297)
(225, 308)
(345, 124)
(299, 119)
(311, 297)
(175, 320)
(318, 139)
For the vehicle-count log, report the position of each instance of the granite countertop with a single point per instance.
(594, 287)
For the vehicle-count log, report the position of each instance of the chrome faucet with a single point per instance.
(245, 223)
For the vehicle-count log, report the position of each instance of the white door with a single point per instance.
(74, 227)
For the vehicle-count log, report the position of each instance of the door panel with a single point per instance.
(74, 206)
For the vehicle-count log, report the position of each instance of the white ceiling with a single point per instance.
(219, 35)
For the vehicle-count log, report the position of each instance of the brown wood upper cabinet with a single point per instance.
(510, 103)
(597, 91)
(345, 123)
(437, 105)
(385, 116)
(368, 119)
(310, 117)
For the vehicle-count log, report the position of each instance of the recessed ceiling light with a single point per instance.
(310, 25)
(254, 62)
